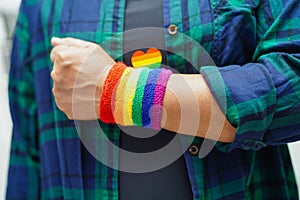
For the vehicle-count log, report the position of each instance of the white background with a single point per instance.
(11, 7)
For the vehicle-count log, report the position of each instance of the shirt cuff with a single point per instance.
(247, 96)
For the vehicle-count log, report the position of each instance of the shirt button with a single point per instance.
(172, 29)
(194, 150)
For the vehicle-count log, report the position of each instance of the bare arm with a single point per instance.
(187, 102)
(186, 88)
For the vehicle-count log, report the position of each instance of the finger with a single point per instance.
(56, 41)
(56, 74)
(59, 53)
(67, 56)
(71, 42)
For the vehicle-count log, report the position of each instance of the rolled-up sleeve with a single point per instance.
(262, 98)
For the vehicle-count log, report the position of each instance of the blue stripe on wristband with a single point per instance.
(148, 98)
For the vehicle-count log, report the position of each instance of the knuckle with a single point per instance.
(52, 55)
(68, 40)
(57, 96)
(68, 64)
(53, 75)
(54, 91)
(57, 78)
(59, 56)
(93, 45)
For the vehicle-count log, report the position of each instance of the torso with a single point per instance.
(171, 182)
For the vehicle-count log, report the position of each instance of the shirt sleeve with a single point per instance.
(262, 99)
(23, 176)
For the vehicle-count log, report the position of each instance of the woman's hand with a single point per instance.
(80, 68)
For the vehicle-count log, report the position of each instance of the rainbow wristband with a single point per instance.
(134, 96)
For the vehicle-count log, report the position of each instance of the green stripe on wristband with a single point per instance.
(138, 98)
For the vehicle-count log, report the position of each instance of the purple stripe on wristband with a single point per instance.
(159, 94)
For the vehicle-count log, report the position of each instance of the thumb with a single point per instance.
(69, 42)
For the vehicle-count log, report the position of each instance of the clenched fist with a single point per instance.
(78, 74)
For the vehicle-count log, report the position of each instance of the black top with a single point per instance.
(171, 182)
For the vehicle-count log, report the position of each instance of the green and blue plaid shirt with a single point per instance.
(254, 43)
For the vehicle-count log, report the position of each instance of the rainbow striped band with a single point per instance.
(137, 99)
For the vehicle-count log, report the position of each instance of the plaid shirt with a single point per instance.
(256, 46)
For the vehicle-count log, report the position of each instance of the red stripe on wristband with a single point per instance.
(112, 79)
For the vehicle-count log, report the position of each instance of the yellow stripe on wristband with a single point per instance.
(119, 98)
(129, 95)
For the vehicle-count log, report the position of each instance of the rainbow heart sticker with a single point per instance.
(152, 58)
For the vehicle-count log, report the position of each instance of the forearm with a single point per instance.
(189, 108)
(183, 93)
